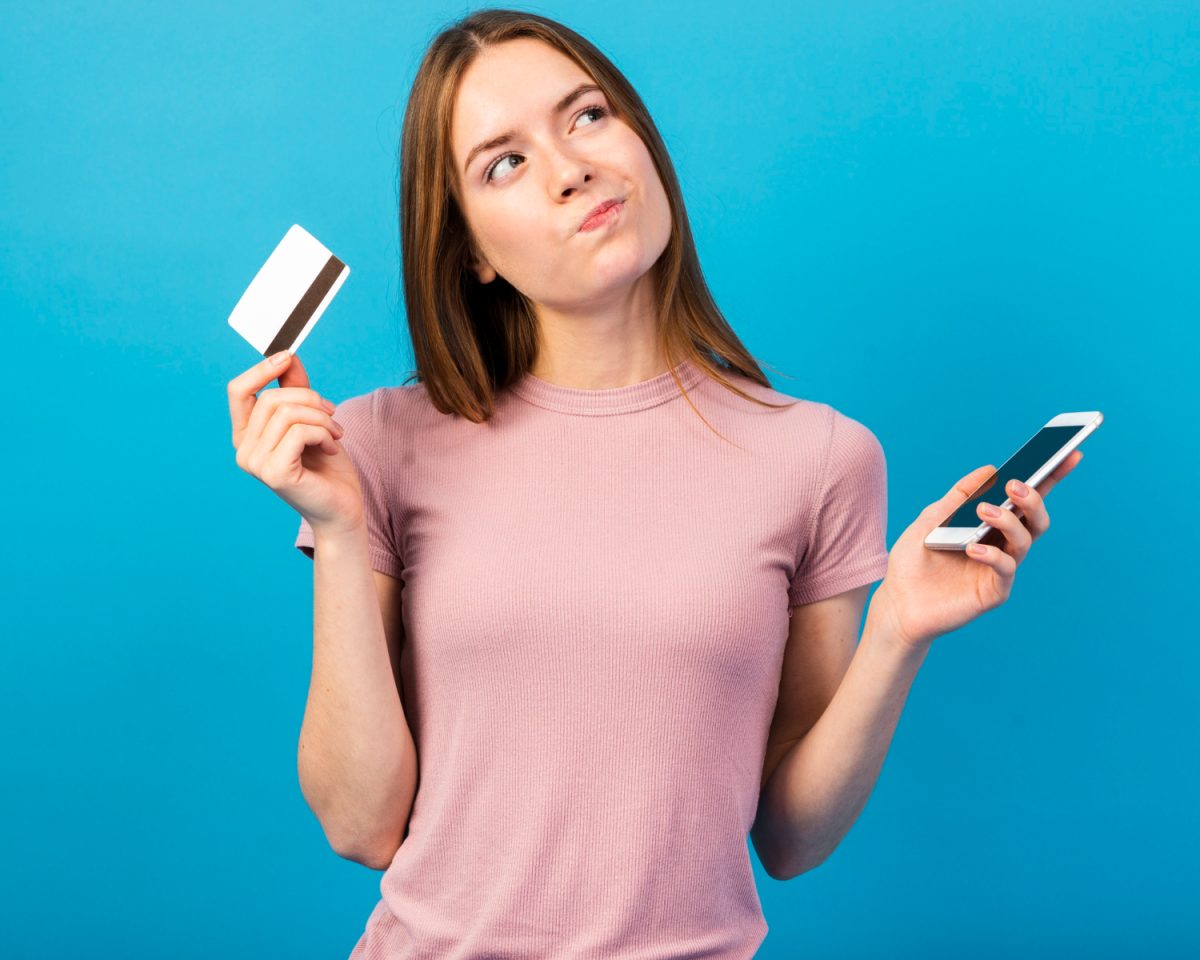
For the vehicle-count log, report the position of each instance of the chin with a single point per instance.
(622, 263)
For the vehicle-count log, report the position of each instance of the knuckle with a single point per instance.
(297, 431)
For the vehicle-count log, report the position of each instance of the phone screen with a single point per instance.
(1022, 465)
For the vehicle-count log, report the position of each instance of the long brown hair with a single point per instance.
(471, 340)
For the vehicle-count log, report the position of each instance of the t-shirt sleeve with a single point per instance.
(358, 417)
(846, 546)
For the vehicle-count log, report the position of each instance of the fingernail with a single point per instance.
(328, 405)
(989, 510)
(1019, 488)
(279, 357)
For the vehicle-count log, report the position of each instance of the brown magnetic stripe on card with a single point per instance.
(304, 309)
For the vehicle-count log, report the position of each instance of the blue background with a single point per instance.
(950, 221)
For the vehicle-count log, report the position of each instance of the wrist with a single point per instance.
(350, 531)
(884, 625)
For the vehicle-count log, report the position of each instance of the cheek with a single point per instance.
(508, 230)
(656, 208)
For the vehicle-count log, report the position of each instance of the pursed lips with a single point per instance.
(600, 208)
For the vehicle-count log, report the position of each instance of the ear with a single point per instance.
(483, 270)
(479, 266)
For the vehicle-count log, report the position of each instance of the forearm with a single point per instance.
(822, 783)
(356, 759)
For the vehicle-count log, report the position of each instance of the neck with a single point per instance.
(602, 344)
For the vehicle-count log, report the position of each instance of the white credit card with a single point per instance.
(288, 294)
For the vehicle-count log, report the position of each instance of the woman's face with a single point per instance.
(525, 199)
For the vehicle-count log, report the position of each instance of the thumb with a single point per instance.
(294, 375)
(970, 485)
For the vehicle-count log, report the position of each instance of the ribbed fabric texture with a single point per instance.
(596, 605)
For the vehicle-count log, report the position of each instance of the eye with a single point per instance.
(595, 108)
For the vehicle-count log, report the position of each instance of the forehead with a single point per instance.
(509, 84)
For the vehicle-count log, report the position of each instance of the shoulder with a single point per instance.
(829, 448)
(854, 463)
(843, 436)
(814, 426)
(764, 405)
(356, 414)
(852, 444)
(384, 408)
(377, 412)
(374, 416)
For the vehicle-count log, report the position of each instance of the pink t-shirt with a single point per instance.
(595, 609)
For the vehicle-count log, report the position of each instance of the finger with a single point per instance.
(294, 374)
(287, 414)
(970, 484)
(285, 463)
(958, 494)
(1017, 536)
(999, 560)
(271, 400)
(1033, 509)
(243, 388)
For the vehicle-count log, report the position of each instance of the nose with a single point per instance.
(566, 191)
(570, 172)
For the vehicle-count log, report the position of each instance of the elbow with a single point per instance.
(781, 874)
(376, 852)
(806, 865)
(781, 860)
(361, 841)
(781, 870)
(374, 858)
(776, 869)
(776, 874)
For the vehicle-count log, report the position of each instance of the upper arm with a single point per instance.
(389, 589)
(822, 638)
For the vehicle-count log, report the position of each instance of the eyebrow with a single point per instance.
(508, 135)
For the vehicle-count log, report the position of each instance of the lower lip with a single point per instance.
(608, 216)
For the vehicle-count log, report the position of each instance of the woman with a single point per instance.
(618, 632)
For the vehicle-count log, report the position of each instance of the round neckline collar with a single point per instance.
(608, 401)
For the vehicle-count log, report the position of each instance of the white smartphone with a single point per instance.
(1035, 461)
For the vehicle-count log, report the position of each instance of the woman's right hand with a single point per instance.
(288, 440)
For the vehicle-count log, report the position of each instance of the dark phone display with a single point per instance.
(1021, 465)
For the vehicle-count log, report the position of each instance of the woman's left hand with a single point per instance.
(927, 593)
